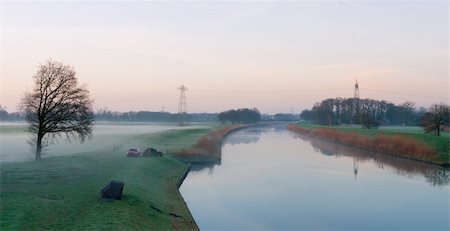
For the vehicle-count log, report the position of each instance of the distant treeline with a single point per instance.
(368, 112)
(241, 116)
(14, 116)
(148, 116)
(233, 116)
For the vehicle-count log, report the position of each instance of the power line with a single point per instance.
(267, 91)
(402, 94)
(313, 91)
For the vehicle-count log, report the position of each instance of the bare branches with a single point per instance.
(436, 118)
(57, 105)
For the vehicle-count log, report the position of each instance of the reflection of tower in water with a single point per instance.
(211, 170)
(355, 167)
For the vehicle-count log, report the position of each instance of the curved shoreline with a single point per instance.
(208, 147)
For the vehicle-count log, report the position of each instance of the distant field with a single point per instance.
(61, 192)
(14, 146)
(439, 143)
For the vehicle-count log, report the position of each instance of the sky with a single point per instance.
(279, 56)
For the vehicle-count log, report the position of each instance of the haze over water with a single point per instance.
(272, 179)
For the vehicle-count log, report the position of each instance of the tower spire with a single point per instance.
(356, 93)
(356, 104)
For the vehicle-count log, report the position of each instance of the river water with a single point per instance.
(270, 178)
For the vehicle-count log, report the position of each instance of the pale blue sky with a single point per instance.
(269, 55)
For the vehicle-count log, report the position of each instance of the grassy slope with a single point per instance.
(438, 143)
(61, 193)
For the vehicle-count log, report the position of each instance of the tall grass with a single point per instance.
(405, 146)
(395, 145)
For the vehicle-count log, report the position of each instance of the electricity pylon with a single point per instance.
(182, 106)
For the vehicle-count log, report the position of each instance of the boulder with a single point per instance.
(151, 152)
(113, 190)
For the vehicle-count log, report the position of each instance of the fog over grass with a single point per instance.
(14, 146)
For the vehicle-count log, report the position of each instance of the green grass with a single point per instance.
(62, 193)
(184, 138)
(438, 143)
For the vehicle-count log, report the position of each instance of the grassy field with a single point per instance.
(62, 193)
(439, 143)
(14, 147)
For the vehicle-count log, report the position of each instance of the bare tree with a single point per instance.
(57, 106)
(436, 117)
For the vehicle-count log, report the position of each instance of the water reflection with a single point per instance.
(433, 174)
(247, 139)
(280, 183)
(355, 167)
(252, 135)
(206, 166)
(233, 140)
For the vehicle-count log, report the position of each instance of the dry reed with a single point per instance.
(392, 144)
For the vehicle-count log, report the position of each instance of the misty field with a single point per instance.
(106, 136)
(61, 192)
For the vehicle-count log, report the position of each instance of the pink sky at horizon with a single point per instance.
(270, 55)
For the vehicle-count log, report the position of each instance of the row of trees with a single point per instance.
(105, 114)
(372, 113)
(243, 115)
(148, 116)
(14, 116)
(358, 111)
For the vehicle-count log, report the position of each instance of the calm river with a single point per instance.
(270, 178)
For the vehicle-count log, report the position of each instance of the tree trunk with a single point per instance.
(438, 130)
(38, 147)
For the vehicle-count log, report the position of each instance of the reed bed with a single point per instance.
(393, 144)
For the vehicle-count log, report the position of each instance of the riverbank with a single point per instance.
(62, 193)
(208, 147)
(416, 146)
